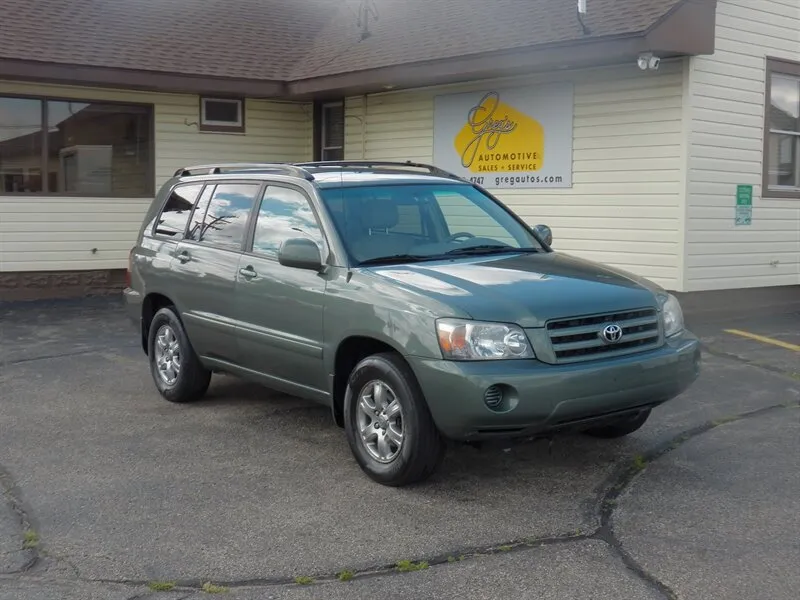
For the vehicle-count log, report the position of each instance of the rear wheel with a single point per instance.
(388, 425)
(620, 428)
(177, 372)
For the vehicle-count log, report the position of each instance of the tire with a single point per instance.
(191, 378)
(620, 428)
(422, 448)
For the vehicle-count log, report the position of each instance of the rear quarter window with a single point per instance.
(174, 217)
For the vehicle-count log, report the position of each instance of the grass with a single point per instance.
(303, 580)
(210, 588)
(30, 539)
(505, 548)
(639, 463)
(161, 586)
(345, 575)
(406, 566)
(454, 559)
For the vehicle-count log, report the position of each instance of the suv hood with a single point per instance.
(527, 289)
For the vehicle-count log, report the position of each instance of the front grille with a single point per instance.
(581, 338)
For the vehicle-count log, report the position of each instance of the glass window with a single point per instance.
(221, 114)
(175, 217)
(783, 146)
(224, 223)
(284, 213)
(333, 131)
(99, 149)
(375, 222)
(20, 145)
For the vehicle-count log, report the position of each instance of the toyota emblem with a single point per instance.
(612, 333)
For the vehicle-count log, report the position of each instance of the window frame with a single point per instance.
(44, 100)
(325, 250)
(319, 128)
(210, 126)
(777, 66)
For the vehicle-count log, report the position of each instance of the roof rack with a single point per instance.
(371, 164)
(217, 169)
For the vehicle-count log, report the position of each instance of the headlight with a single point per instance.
(672, 315)
(476, 340)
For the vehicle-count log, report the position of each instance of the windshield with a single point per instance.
(418, 222)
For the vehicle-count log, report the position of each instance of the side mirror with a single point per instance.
(300, 253)
(545, 233)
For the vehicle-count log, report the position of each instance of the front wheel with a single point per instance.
(620, 428)
(177, 372)
(388, 425)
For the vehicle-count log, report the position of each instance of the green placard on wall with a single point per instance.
(744, 205)
(744, 195)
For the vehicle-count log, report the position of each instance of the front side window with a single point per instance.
(284, 213)
(782, 160)
(419, 222)
(75, 148)
(224, 222)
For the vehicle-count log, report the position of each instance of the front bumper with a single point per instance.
(539, 397)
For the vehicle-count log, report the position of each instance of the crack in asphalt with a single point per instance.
(93, 350)
(613, 488)
(12, 497)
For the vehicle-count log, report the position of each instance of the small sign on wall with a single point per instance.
(744, 205)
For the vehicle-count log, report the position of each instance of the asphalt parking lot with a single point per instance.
(111, 492)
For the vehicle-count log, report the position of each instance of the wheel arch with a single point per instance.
(152, 303)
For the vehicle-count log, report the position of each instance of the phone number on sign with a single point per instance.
(516, 179)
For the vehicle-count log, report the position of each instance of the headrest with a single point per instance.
(380, 214)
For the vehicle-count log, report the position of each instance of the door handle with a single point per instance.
(248, 272)
(184, 257)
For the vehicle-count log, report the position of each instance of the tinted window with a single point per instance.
(175, 215)
(225, 221)
(284, 213)
(20, 145)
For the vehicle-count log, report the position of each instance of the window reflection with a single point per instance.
(284, 213)
(175, 216)
(20, 145)
(225, 221)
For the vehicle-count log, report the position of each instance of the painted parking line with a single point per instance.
(764, 339)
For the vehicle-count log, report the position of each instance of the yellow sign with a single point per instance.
(498, 138)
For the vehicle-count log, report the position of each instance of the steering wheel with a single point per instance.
(460, 234)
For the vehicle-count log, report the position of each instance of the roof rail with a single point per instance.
(370, 164)
(217, 169)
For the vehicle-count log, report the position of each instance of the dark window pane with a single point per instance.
(226, 219)
(284, 213)
(20, 145)
(99, 149)
(175, 216)
(784, 114)
(221, 111)
(783, 159)
(333, 154)
(333, 122)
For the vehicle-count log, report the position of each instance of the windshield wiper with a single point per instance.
(394, 258)
(490, 249)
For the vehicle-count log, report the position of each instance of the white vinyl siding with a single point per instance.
(727, 107)
(626, 204)
(49, 233)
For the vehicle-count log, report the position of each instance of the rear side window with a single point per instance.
(176, 212)
(224, 222)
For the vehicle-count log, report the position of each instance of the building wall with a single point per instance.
(626, 206)
(50, 233)
(726, 112)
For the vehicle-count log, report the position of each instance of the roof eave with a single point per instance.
(133, 79)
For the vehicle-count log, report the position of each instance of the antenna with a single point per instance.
(581, 12)
(366, 10)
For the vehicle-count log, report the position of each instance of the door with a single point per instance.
(205, 266)
(281, 308)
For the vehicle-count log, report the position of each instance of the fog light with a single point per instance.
(493, 396)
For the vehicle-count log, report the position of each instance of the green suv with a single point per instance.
(411, 302)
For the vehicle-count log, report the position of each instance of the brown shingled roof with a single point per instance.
(290, 41)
